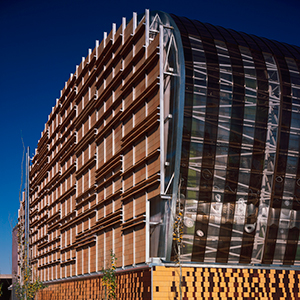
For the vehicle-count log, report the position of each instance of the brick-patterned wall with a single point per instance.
(130, 285)
(225, 283)
(197, 283)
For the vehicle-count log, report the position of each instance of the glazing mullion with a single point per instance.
(196, 147)
(257, 161)
(269, 159)
(221, 152)
(287, 213)
(234, 153)
(245, 159)
(284, 123)
(292, 249)
(188, 104)
(223, 134)
(209, 144)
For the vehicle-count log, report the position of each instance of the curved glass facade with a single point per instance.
(239, 168)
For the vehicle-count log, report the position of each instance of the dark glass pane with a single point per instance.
(189, 26)
(204, 33)
(262, 43)
(226, 34)
(250, 41)
(214, 32)
(238, 38)
(270, 245)
(291, 246)
(292, 50)
(283, 49)
(297, 49)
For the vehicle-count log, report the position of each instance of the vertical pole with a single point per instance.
(134, 25)
(114, 30)
(179, 243)
(25, 211)
(180, 267)
(147, 241)
(147, 27)
(104, 38)
(26, 221)
(123, 30)
(161, 108)
(27, 208)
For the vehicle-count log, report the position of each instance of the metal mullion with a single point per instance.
(196, 255)
(292, 246)
(277, 193)
(199, 116)
(256, 174)
(212, 229)
(236, 132)
(181, 24)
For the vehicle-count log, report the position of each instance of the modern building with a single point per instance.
(170, 118)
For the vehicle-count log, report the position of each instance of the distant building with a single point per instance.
(5, 283)
(168, 114)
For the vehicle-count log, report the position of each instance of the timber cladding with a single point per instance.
(130, 285)
(97, 161)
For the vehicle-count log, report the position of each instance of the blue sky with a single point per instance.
(41, 42)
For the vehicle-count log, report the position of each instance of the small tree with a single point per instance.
(29, 287)
(109, 278)
(178, 237)
(27, 284)
(177, 242)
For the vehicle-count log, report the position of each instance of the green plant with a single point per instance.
(178, 237)
(27, 284)
(1, 292)
(177, 243)
(109, 278)
(28, 288)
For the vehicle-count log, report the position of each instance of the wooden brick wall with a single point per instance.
(130, 285)
(197, 283)
(226, 283)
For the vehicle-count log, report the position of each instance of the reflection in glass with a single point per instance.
(196, 147)
(251, 160)
(245, 157)
(221, 152)
(286, 220)
(271, 142)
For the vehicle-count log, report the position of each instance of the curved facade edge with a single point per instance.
(239, 169)
(172, 89)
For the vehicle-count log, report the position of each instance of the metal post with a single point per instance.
(27, 207)
(161, 109)
(147, 241)
(147, 26)
(134, 25)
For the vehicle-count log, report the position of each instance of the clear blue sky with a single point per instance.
(42, 41)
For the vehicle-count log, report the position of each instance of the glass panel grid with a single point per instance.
(246, 157)
(216, 206)
(196, 146)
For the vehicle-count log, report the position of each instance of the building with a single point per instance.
(169, 115)
(5, 283)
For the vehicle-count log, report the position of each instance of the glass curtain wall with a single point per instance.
(235, 150)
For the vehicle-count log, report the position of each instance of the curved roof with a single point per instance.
(206, 30)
